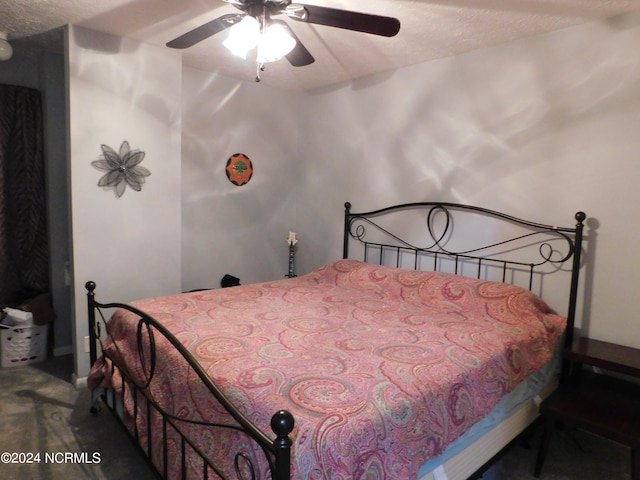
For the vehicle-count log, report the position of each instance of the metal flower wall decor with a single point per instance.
(123, 168)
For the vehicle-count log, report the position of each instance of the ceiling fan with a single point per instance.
(254, 27)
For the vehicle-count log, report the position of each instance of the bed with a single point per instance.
(421, 353)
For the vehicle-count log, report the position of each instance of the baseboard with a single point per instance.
(79, 382)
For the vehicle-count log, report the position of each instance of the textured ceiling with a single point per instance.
(430, 29)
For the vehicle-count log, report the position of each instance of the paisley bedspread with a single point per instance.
(382, 368)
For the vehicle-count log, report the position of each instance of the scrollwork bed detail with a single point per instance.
(496, 253)
(378, 242)
(277, 451)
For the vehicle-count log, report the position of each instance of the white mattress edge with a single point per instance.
(469, 460)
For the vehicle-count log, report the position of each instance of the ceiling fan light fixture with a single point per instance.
(243, 36)
(6, 51)
(274, 43)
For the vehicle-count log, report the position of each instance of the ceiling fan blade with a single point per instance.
(359, 22)
(205, 31)
(299, 56)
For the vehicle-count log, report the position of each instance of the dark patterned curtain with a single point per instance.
(24, 261)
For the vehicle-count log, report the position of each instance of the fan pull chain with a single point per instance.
(259, 68)
(263, 31)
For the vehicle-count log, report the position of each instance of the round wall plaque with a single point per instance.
(239, 169)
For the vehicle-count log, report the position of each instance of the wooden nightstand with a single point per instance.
(601, 404)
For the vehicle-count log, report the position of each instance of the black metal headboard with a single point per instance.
(470, 241)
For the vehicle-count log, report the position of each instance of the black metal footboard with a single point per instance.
(174, 427)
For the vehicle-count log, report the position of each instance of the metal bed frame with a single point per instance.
(379, 243)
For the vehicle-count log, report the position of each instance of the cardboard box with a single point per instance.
(40, 307)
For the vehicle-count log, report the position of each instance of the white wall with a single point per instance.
(538, 128)
(239, 230)
(121, 90)
(52, 75)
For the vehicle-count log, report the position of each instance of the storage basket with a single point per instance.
(23, 345)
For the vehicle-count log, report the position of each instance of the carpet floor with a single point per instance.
(46, 421)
